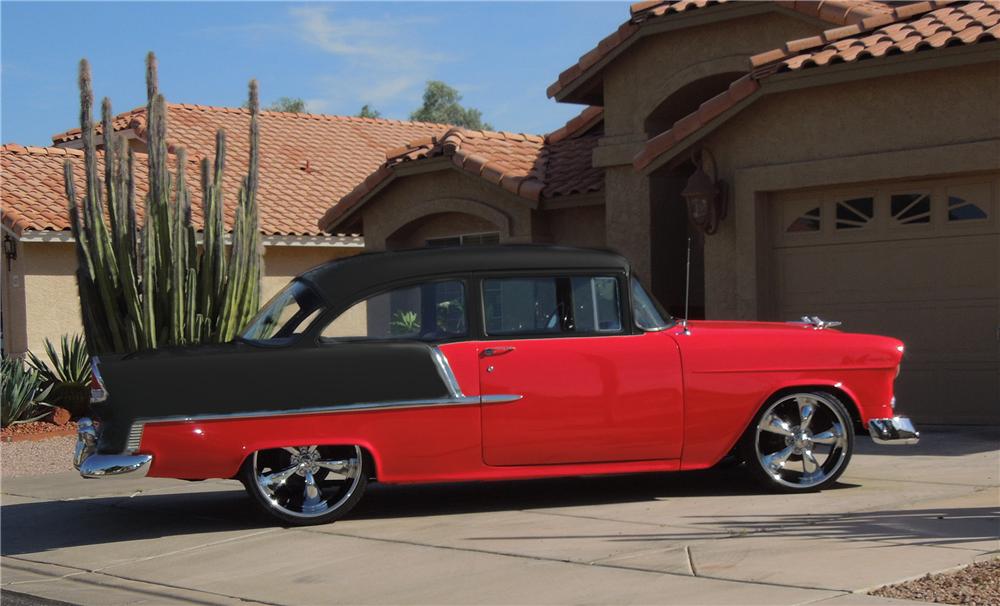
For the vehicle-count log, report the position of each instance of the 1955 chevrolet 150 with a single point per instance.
(487, 363)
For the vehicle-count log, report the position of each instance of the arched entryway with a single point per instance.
(447, 229)
(669, 225)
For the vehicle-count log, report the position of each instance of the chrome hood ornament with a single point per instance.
(819, 324)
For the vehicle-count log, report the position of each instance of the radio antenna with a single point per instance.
(687, 290)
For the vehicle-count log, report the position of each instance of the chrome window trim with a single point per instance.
(444, 370)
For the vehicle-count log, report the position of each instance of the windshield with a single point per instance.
(287, 314)
(646, 312)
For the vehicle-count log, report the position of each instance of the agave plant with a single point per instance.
(67, 373)
(21, 393)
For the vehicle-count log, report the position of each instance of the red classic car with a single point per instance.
(487, 363)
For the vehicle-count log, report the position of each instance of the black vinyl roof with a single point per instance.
(342, 280)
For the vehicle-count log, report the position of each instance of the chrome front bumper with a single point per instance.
(93, 465)
(897, 431)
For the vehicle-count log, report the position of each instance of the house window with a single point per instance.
(466, 240)
(807, 221)
(855, 213)
(910, 209)
(960, 209)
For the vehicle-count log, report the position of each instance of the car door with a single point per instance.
(591, 388)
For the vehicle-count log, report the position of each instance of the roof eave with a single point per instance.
(525, 190)
(577, 89)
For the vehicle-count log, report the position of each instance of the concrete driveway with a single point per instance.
(693, 538)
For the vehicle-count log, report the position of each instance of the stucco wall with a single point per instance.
(915, 125)
(414, 197)
(416, 234)
(646, 74)
(577, 226)
(12, 302)
(51, 302)
(640, 80)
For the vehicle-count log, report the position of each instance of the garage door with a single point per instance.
(918, 261)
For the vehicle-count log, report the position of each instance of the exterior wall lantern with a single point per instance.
(9, 250)
(705, 195)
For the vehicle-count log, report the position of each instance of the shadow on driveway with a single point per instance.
(45, 525)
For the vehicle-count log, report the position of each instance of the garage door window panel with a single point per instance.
(911, 208)
(971, 202)
(855, 213)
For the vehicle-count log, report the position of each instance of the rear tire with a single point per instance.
(306, 485)
(799, 442)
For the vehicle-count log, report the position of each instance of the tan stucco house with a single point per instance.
(837, 158)
(305, 159)
(854, 147)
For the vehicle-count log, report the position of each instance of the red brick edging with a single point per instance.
(38, 436)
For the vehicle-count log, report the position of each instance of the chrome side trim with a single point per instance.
(444, 369)
(895, 431)
(394, 405)
(500, 398)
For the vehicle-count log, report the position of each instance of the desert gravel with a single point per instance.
(32, 458)
(975, 585)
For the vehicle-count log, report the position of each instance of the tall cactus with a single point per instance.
(148, 287)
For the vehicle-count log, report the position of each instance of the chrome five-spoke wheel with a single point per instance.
(306, 484)
(800, 441)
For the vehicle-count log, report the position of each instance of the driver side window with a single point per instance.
(432, 311)
(552, 305)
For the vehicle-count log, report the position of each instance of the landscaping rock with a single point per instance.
(60, 416)
(976, 585)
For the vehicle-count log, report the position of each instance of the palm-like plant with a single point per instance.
(21, 393)
(67, 373)
(404, 322)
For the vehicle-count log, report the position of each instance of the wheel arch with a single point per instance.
(368, 451)
(838, 390)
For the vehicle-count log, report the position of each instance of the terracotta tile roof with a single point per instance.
(307, 161)
(954, 25)
(839, 12)
(33, 194)
(908, 28)
(578, 125)
(528, 166)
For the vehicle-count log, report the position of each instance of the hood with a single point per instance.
(770, 346)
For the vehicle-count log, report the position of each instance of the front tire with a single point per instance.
(799, 442)
(306, 485)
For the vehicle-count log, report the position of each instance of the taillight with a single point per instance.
(97, 391)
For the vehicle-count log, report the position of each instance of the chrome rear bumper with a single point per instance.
(93, 465)
(897, 431)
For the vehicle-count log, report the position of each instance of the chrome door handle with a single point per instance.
(490, 352)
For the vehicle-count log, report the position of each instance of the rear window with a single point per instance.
(432, 311)
(286, 315)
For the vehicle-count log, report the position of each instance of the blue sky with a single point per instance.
(337, 56)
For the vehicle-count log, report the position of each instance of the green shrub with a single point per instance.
(21, 393)
(67, 373)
